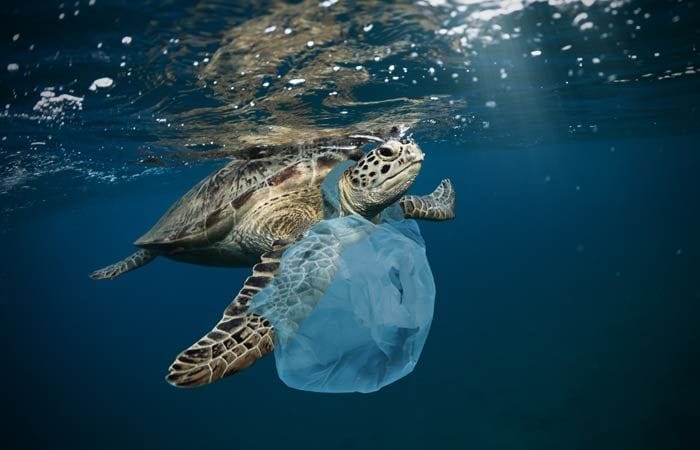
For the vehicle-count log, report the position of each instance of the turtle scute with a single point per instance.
(352, 305)
(208, 211)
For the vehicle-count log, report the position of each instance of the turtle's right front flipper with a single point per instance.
(238, 340)
(439, 205)
(279, 292)
(134, 261)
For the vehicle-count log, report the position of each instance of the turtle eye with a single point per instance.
(386, 152)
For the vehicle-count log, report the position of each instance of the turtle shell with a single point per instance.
(208, 211)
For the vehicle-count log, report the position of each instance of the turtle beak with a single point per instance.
(418, 155)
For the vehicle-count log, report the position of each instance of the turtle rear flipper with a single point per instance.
(439, 205)
(238, 340)
(131, 262)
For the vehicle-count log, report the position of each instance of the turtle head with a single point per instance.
(380, 177)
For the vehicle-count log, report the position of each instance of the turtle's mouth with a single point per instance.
(417, 161)
(406, 174)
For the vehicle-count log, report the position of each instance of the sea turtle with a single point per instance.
(249, 211)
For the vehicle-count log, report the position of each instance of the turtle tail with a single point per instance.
(131, 262)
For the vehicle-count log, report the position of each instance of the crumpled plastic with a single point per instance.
(351, 305)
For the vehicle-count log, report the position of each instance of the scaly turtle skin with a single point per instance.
(251, 211)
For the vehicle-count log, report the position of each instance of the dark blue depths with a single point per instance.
(568, 287)
(565, 318)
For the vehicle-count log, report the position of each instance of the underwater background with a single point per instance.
(568, 287)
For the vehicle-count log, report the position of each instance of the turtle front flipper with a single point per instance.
(131, 262)
(439, 205)
(238, 340)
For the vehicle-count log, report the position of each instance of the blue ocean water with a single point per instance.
(568, 287)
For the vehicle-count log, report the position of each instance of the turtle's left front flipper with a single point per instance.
(439, 205)
(238, 340)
